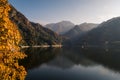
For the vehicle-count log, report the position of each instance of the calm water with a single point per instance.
(72, 64)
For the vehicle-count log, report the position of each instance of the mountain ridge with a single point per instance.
(107, 33)
(80, 29)
(60, 27)
(33, 33)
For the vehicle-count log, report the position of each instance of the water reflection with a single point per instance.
(78, 72)
(72, 64)
(107, 57)
(38, 56)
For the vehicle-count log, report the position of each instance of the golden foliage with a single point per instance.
(9, 50)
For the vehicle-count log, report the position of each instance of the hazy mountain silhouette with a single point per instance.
(75, 33)
(80, 29)
(107, 33)
(60, 27)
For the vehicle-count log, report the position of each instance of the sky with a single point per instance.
(76, 11)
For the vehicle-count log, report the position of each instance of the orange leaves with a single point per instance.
(9, 50)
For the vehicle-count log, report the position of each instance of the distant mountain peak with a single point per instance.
(65, 22)
(80, 29)
(108, 31)
(87, 26)
(61, 27)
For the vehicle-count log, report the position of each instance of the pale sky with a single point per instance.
(76, 11)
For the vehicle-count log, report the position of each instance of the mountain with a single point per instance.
(78, 30)
(33, 33)
(107, 33)
(60, 27)
(72, 36)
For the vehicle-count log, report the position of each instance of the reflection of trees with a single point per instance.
(38, 56)
(58, 57)
(9, 51)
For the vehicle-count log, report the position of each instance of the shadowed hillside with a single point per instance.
(107, 33)
(33, 33)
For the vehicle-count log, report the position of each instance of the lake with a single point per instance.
(72, 63)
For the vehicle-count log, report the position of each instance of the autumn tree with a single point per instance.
(9, 50)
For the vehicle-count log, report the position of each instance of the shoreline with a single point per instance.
(42, 46)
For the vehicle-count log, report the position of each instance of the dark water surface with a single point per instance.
(72, 64)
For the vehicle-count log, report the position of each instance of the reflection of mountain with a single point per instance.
(72, 63)
(57, 57)
(108, 57)
(61, 62)
(70, 57)
(38, 56)
(67, 58)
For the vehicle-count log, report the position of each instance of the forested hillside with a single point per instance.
(107, 33)
(33, 33)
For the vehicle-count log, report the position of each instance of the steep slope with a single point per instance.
(78, 30)
(60, 27)
(33, 33)
(106, 33)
